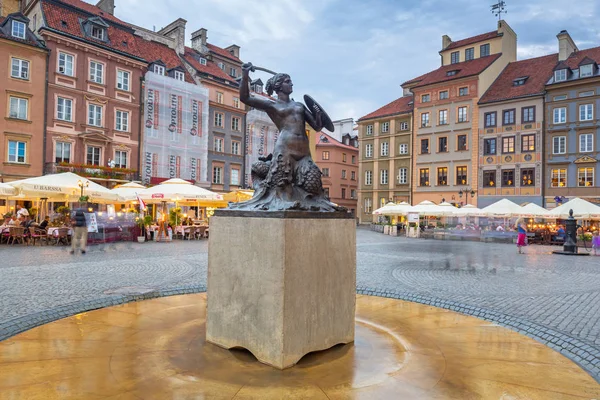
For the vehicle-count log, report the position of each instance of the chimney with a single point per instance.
(199, 40)
(234, 50)
(446, 41)
(176, 31)
(108, 6)
(566, 45)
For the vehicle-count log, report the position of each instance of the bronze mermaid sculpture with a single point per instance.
(287, 179)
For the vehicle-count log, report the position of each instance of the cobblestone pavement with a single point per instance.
(555, 299)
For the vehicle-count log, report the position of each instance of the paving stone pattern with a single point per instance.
(553, 299)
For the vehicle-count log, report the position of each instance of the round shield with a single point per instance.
(310, 102)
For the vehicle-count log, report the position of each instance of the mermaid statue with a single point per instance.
(287, 179)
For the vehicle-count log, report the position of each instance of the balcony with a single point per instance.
(93, 172)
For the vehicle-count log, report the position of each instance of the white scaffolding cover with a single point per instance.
(261, 135)
(175, 130)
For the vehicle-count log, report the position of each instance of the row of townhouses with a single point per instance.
(89, 93)
(484, 126)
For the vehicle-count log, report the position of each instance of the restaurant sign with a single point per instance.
(158, 196)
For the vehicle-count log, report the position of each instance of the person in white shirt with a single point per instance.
(22, 212)
(499, 228)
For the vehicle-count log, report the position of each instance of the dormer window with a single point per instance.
(452, 73)
(97, 32)
(232, 72)
(586, 70)
(180, 76)
(222, 66)
(258, 88)
(18, 29)
(560, 75)
(203, 61)
(520, 81)
(159, 69)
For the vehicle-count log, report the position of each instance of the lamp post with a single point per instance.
(570, 246)
(466, 192)
(82, 185)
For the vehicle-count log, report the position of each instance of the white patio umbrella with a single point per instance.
(63, 187)
(502, 209)
(178, 190)
(532, 210)
(128, 191)
(400, 208)
(385, 210)
(468, 210)
(7, 190)
(582, 209)
(428, 208)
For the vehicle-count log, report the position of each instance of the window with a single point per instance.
(490, 119)
(122, 121)
(93, 156)
(442, 145)
(64, 109)
(369, 151)
(235, 148)
(508, 145)
(232, 72)
(222, 66)
(202, 61)
(95, 115)
(96, 72)
(159, 69)
(326, 192)
(368, 206)
(463, 91)
(508, 177)
(462, 114)
(453, 72)
(560, 115)
(383, 176)
(385, 127)
(368, 177)
(403, 148)
(353, 175)
(489, 147)
(352, 193)
(218, 175)
(586, 143)
(219, 97)
(235, 177)
(442, 176)
(236, 102)
(97, 32)
(18, 108)
(123, 80)
(528, 177)
(586, 112)
(218, 145)
(219, 119)
(527, 143)
(586, 70)
(484, 50)
(443, 95)
(424, 120)
(343, 193)
(325, 155)
(353, 159)
(403, 176)
(462, 142)
(20, 69)
(528, 114)
(16, 151)
(425, 98)
(469, 54)
(560, 75)
(18, 29)
(587, 93)
(369, 130)
(561, 97)
(385, 149)
(235, 124)
(65, 64)
(520, 81)
(403, 126)
(343, 157)
(325, 172)
(559, 145)
(424, 177)
(585, 177)
(443, 117)
(424, 146)
(461, 175)
(62, 153)
(508, 117)
(180, 76)
(489, 178)
(343, 174)
(558, 177)
(120, 159)
(454, 57)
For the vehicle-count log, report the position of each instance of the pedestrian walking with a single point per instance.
(596, 242)
(80, 232)
(522, 235)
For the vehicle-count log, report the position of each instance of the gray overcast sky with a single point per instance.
(352, 55)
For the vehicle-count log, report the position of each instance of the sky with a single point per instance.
(352, 55)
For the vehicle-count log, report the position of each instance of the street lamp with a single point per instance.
(466, 191)
(82, 185)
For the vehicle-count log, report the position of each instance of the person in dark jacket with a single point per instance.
(80, 232)
(45, 222)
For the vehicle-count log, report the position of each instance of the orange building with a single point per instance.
(339, 164)
(23, 75)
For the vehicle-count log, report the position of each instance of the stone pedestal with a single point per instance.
(281, 284)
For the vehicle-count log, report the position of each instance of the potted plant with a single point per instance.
(143, 222)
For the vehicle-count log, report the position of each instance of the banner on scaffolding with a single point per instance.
(261, 135)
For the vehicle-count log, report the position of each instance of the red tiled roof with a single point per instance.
(398, 106)
(576, 57)
(93, 9)
(222, 52)
(538, 70)
(154, 51)
(333, 142)
(472, 40)
(210, 68)
(465, 69)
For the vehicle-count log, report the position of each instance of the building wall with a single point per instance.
(340, 162)
(342, 127)
(9, 7)
(261, 136)
(30, 131)
(516, 161)
(573, 159)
